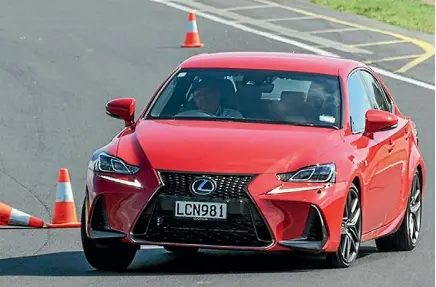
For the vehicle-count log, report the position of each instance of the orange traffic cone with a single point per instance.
(64, 214)
(192, 37)
(12, 217)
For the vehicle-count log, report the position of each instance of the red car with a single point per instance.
(261, 152)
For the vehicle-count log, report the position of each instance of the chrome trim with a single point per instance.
(207, 178)
(225, 247)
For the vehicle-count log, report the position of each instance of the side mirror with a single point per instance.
(122, 108)
(378, 120)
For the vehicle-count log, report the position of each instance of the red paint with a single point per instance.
(377, 120)
(384, 161)
(123, 108)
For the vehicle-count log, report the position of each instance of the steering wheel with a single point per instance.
(193, 113)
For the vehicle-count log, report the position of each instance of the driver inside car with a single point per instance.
(208, 100)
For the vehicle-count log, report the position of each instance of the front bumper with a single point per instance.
(289, 218)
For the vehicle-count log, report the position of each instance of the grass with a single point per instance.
(409, 14)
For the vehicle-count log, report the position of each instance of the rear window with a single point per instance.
(250, 95)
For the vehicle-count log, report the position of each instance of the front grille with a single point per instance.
(228, 186)
(244, 226)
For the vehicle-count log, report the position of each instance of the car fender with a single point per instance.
(415, 160)
(353, 172)
(348, 164)
(348, 169)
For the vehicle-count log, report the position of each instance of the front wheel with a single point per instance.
(108, 257)
(351, 232)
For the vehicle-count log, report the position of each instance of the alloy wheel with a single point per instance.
(415, 211)
(351, 227)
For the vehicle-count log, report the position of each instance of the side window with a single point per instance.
(358, 102)
(376, 92)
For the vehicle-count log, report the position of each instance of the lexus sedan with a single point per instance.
(257, 152)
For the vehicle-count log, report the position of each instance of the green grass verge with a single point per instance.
(409, 14)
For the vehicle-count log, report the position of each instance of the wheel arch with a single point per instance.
(84, 216)
(358, 183)
(416, 164)
(357, 180)
(420, 171)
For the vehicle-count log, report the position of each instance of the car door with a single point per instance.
(368, 153)
(395, 161)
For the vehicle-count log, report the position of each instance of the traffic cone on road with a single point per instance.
(64, 214)
(12, 217)
(192, 37)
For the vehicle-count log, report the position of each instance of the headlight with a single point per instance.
(315, 173)
(111, 164)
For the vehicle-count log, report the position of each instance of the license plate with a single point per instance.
(206, 210)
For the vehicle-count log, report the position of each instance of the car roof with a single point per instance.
(297, 62)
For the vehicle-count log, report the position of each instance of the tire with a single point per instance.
(114, 256)
(351, 232)
(406, 237)
(181, 250)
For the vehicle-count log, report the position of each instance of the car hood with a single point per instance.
(214, 146)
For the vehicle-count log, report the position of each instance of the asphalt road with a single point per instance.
(60, 62)
(391, 48)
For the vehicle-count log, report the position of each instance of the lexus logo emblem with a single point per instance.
(203, 186)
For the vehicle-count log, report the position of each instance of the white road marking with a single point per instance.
(389, 59)
(369, 44)
(290, 42)
(275, 19)
(248, 7)
(427, 47)
(340, 30)
(289, 18)
(404, 79)
(276, 29)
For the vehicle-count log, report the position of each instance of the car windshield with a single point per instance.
(250, 96)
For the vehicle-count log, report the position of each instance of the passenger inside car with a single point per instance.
(291, 107)
(322, 102)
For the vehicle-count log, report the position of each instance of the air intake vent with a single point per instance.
(99, 217)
